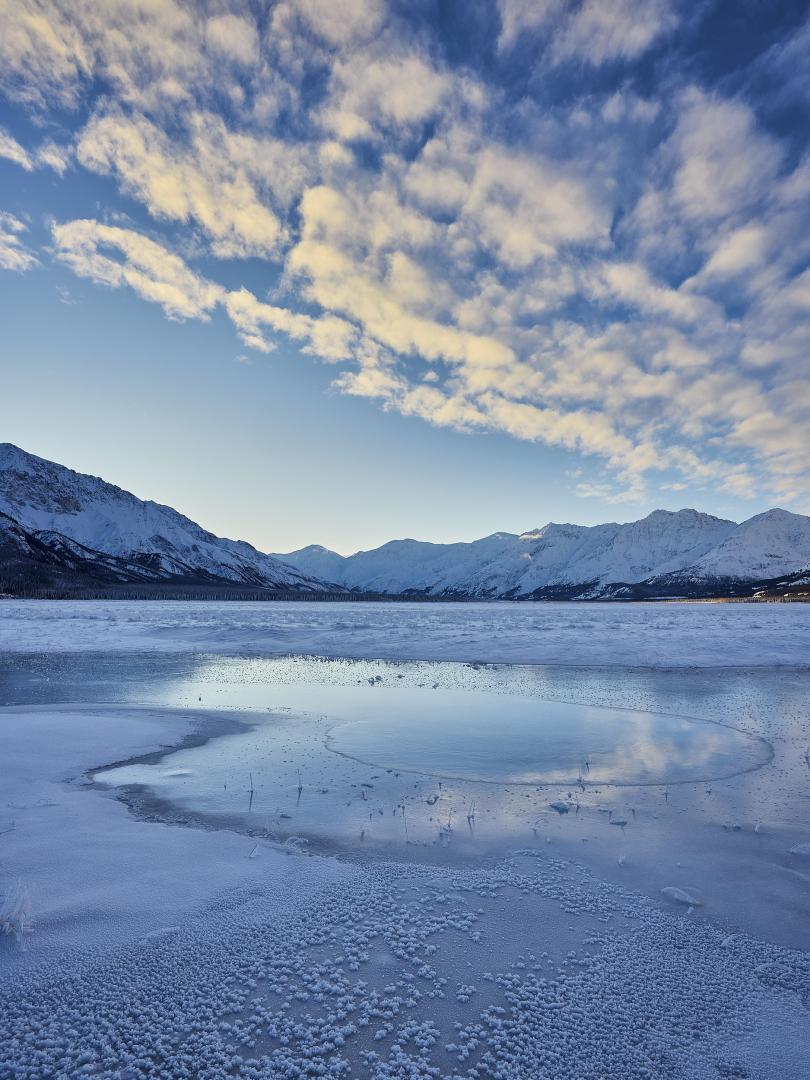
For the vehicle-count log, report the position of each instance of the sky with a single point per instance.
(339, 271)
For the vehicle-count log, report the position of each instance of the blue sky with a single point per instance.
(343, 271)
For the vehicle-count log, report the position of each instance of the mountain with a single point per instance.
(767, 547)
(555, 558)
(49, 561)
(63, 531)
(106, 533)
(664, 554)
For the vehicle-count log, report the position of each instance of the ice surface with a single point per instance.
(516, 943)
(643, 635)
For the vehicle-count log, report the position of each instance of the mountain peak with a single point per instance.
(46, 498)
(57, 507)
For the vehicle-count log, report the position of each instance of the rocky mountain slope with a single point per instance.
(664, 554)
(60, 527)
(84, 520)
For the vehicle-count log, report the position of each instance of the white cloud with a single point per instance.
(11, 150)
(631, 283)
(592, 31)
(48, 153)
(114, 256)
(519, 17)
(525, 208)
(623, 276)
(43, 57)
(620, 30)
(53, 155)
(233, 37)
(326, 336)
(210, 176)
(342, 22)
(370, 93)
(724, 162)
(14, 255)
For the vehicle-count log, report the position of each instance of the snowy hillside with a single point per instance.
(57, 505)
(766, 546)
(634, 559)
(60, 522)
(576, 559)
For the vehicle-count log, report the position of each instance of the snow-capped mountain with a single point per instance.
(683, 552)
(58, 508)
(57, 525)
(766, 546)
(555, 557)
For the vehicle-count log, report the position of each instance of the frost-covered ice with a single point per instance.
(161, 949)
(644, 635)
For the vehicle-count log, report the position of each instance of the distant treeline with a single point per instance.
(200, 592)
(21, 587)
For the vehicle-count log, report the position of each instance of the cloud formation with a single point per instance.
(14, 255)
(569, 234)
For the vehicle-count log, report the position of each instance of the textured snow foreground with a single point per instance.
(163, 950)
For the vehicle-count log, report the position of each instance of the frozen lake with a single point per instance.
(380, 865)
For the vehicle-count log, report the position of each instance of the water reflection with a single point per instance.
(737, 841)
(337, 755)
(494, 739)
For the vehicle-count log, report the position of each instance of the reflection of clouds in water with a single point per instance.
(408, 725)
(557, 744)
(673, 836)
(694, 749)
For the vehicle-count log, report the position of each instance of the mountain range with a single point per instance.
(66, 533)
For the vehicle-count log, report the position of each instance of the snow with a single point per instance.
(122, 878)
(647, 635)
(63, 507)
(766, 546)
(45, 497)
(663, 543)
(164, 950)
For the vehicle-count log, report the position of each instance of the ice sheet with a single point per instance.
(644, 635)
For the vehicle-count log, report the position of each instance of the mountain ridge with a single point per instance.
(670, 548)
(44, 497)
(55, 522)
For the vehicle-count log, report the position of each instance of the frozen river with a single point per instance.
(439, 840)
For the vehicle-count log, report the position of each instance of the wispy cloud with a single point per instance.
(14, 255)
(548, 242)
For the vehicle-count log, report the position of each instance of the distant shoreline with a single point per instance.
(206, 594)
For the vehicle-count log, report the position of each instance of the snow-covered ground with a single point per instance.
(645, 635)
(158, 948)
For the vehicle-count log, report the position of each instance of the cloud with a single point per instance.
(48, 153)
(724, 162)
(545, 245)
(43, 57)
(11, 150)
(520, 17)
(526, 208)
(631, 283)
(114, 256)
(591, 31)
(14, 255)
(53, 155)
(209, 176)
(738, 252)
(325, 260)
(342, 22)
(369, 94)
(233, 37)
(329, 337)
(622, 30)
